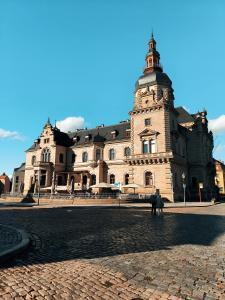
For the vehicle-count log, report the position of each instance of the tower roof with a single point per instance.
(153, 71)
(152, 58)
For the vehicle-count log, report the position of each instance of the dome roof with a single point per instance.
(153, 78)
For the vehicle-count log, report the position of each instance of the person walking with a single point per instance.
(159, 202)
(153, 203)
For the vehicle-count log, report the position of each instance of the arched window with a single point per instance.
(93, 179)
(98, 154)
(85, 157)
(127, 151)
(73, 158)
(126, 177)
(61, 158)
(111, 154)
(112, 179)
(148, 179)
(33, 159)
(46, 155)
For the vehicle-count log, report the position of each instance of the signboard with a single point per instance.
(200, 185)
(117, 184)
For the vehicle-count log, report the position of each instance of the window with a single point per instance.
(17, 179)
(73, 158)
(46, 155)
(126, 177)
(61, 158)
(87, 138)
(148, 179)
(149, 146)
(113, 134)
(111, 154)
(152, 146)
(59, 180)
(43, 178)
(112, 179)
(128, 133)
(147, 122)
(127, 151)
(46, 141)
(98, 154)
(93, 179)
(145, 146)
(33, 159)
(84, 157)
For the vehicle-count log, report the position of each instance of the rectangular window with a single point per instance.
(113, 134)
(128, 133)
(87, 138)
(152, 146)
(17, 179)
(146, 147)
(147, 122)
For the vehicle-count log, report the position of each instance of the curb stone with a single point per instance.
(16, 249)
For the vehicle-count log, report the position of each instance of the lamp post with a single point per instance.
(171, 177)
(39, 187)
(184, 186)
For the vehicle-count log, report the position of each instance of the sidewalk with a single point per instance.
(12, 242)
(117, 203)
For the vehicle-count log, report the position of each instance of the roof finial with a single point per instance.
(48, 122)
(152, 34)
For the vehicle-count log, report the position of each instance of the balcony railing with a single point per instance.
(150, 155)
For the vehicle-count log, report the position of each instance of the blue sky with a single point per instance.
(81, 59)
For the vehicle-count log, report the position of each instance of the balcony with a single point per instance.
(149, 158)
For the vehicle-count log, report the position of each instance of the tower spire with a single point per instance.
(152, 58)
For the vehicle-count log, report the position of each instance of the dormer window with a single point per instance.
(113, 134)
(87, 138)
(76, 139)
(128, 133)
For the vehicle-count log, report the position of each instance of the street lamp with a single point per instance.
(184, 186)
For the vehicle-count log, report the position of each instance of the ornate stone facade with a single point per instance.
(160, 147)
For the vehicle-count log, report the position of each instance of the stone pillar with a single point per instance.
(68, 180)
(53, 183)
(88, 182)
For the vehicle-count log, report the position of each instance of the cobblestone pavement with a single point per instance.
(111, 253)
(8, 238)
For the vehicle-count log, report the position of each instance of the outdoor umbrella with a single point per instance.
(132, 186)
(103, 185)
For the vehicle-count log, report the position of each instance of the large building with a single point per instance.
(4, 184)
(159, 147)
(220, 176)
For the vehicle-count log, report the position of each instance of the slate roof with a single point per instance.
(101, 134)
(20, 168)
(61, 138)
(152, 78)
(183, 115)
(96, 135)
